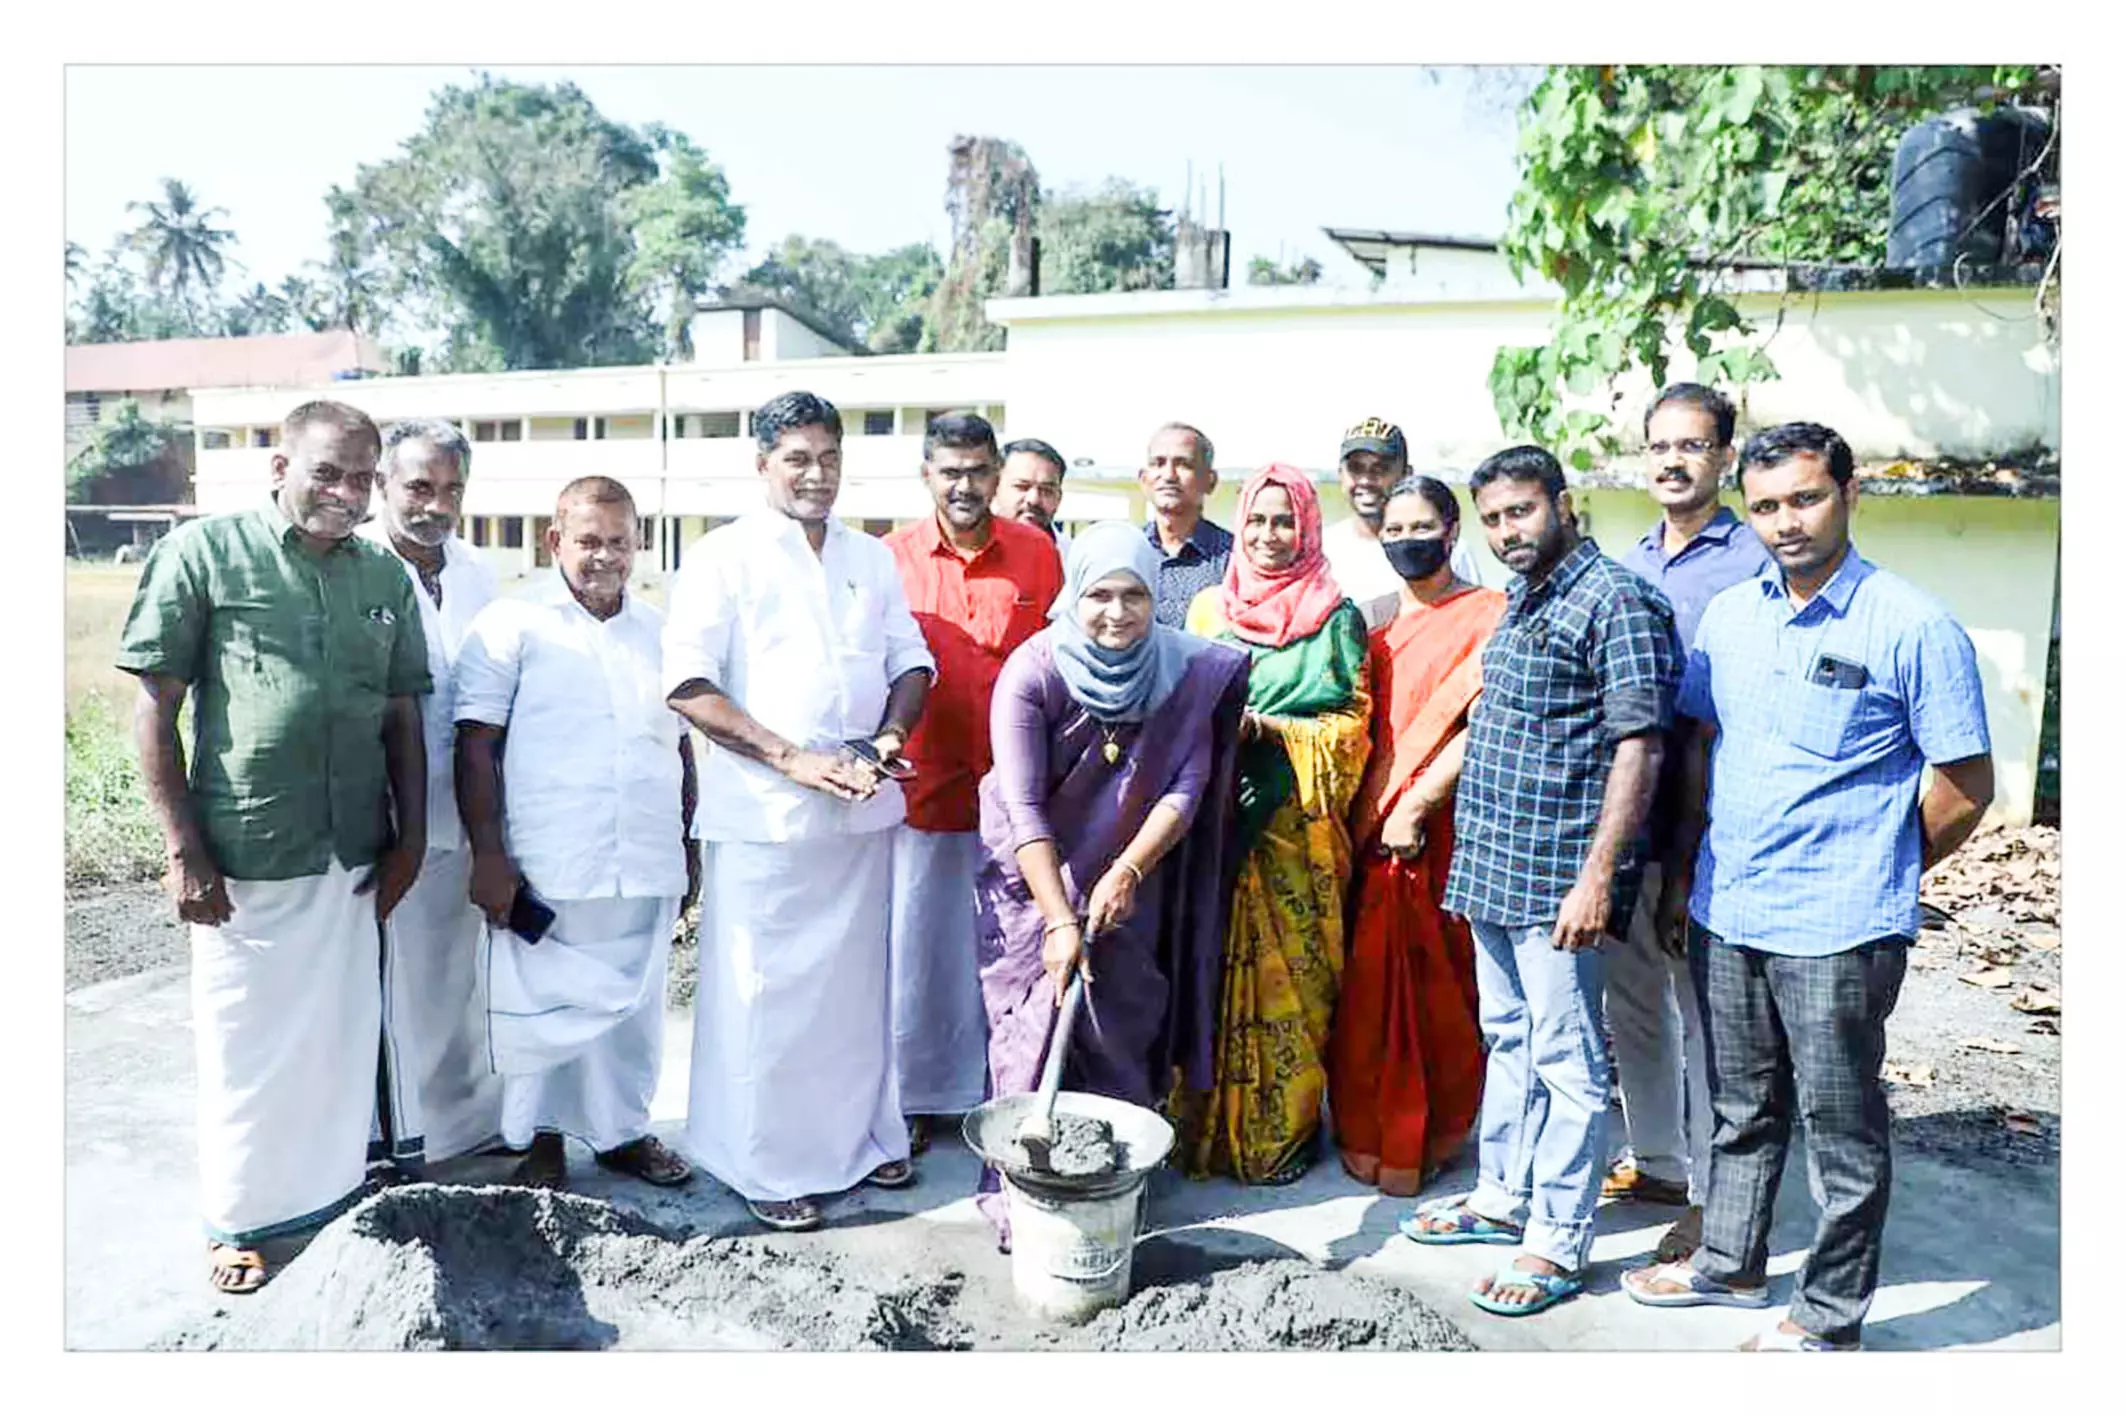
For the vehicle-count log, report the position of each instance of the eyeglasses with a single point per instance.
(1689, 447)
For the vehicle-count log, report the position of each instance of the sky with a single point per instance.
(855, 155)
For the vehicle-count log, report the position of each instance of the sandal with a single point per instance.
(893, 1175)
(648, 1159)
(1692, 1289)
(787, 1215)
(544, 1167)
(235, 1270)
(1628, 1182)
(1682, 1239)
(1469, 1227)
(1552, 1289)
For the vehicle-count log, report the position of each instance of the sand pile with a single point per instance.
(430, 1267)
(1272, 1306)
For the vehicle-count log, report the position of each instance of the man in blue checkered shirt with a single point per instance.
(1821, 688)
(1564, 748)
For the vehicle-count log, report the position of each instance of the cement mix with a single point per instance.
(429, 1267)
(1080, 1148)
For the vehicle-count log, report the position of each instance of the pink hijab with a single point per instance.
(1274, 608)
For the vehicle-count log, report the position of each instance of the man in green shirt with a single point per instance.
(295, 828)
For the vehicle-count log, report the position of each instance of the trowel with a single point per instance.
(1038, 1131)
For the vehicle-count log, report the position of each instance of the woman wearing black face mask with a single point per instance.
(1406, 1060)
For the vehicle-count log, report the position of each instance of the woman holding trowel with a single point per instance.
(1105, 825)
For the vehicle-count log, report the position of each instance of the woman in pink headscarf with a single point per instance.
(1304, 745)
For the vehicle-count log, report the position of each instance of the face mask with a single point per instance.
(1416, 559)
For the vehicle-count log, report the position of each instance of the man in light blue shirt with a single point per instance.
(1822, 687)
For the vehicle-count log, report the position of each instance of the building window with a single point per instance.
(513, 532)
(598, 427)
(92, 405)
(513, 430)
(646, 533)
(265, 437)
(214, 439)
(717, 425)
(486, 432)
(478, 529)
(541, 556)
(878, 423)
(583, 429)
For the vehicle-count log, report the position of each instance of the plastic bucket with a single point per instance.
(1070, 1255)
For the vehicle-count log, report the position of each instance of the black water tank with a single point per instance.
(1946, 172)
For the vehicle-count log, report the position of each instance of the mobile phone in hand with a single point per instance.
(529, 916)
(899, 768)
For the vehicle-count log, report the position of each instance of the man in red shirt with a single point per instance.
(979, 586)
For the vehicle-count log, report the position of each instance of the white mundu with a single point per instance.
(444, 1099)
(591, 816)
(793, 1091)
(1362, 571)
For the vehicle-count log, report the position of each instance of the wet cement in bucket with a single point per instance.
(1080, 1148)
(428, 1267)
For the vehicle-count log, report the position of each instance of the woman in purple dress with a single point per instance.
(1106, 837)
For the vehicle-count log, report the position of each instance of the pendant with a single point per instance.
(1112, 753)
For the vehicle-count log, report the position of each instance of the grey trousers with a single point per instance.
(1788, 1037)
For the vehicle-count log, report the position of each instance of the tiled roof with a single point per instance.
(258, 360)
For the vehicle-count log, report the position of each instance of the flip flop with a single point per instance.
(1469, 1226)
(248, 1264)
(893, 1175)
(648, 1159)
(1553, 1289)
(787, 1215)
(1698, 1291)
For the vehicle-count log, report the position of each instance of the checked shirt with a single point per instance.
(1581, 661)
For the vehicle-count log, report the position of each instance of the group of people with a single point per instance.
(1349, 851)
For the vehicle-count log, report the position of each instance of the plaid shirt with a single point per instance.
(1581, 661)
(1198, 565)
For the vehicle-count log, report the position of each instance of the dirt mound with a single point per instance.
(429, 1267)
(1269, 1306)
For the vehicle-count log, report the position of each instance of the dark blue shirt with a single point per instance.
(1826, 716)
(1580, 661)
(1725, 552)
(1195, 567)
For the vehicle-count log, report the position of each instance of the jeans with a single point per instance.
(1792, 1036)
(1660, 1039)
(1540, 1141)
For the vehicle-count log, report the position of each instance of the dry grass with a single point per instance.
(111, 836)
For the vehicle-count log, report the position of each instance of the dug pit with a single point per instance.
(428, 1267)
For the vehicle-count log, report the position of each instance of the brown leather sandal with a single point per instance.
(648, 1159)
(235, 1270)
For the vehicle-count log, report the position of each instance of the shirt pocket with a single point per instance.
(368, 644)
(1820, 718)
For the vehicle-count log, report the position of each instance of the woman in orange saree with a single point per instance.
(1406, 1058)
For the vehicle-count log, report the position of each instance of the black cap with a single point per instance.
(1375, 435)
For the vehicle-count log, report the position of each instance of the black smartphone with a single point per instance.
(529, 917)
(899, 768)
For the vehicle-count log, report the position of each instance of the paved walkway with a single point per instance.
(1969, 1262)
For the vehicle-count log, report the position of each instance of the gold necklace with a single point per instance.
(1112, 751)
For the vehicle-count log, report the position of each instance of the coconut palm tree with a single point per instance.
(182, 248)
(77, 263)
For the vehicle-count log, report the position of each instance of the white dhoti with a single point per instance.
(576, 1021)
(286, 1008)
(940, 1031)
(793, 1092)
(445, 1100)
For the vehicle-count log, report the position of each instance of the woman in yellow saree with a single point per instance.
(1304, 745)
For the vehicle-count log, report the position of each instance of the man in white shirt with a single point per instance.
(584, 812)
(791, 647)
(440, 1098)
(1373, 458)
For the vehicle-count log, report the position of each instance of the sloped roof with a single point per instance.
(256, 360)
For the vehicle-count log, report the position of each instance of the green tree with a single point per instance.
(185, 253)
(685, 226)
(117, 305)
(874, 301)
(125, 439)
(504, 216)
(348, 289)
(1641, 185)
(1114, 237)
(258, 311)
(1264, 271)
(993, 195)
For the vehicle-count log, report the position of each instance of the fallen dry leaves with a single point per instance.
(1988, 978)
(1909, 1074)
(2033, 1000)
(1991, 1044)
(2014, 871)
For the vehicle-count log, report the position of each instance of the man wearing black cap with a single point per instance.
(1373, 457)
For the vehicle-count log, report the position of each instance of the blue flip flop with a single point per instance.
(1469, 1226)
(1553, 1289)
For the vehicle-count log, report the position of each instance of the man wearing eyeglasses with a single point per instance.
(1697, 549)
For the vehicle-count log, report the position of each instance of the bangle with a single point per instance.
(1059, 924)
(1123, 863)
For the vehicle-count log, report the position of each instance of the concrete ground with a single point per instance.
(1971, 1257)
